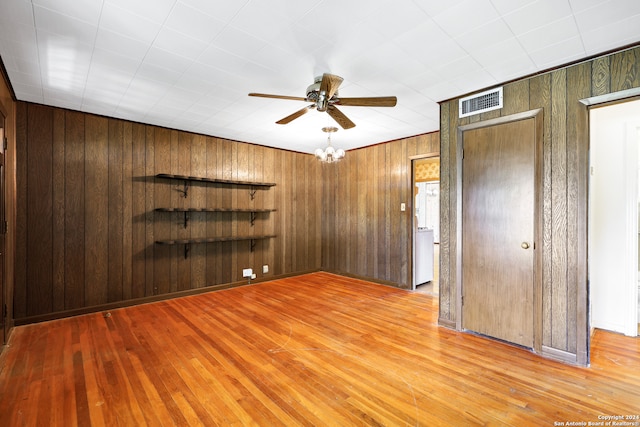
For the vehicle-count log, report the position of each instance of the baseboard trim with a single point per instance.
(451, 324)
(559, 355)
(146, 300)
(367, 279)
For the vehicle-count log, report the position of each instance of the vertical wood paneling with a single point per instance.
(163, 221)
(39, 209)
(127, 210)
(444, 279)
(340, 191)
(149, 206)
(288, 210)
(625, 70)
(559, 209)
(314, 220)
(389, 182)
(270, 203)
(115, 230)
(138, 206)
(185, 141)
(278, 196)
(382, 204)
(96, 209)
(541, 98)
(351, 218)
(329, 215)
(370, 236)
(212, 218)
(600, 77)
(256, 173)
(198, 199)
(58, 209)
(74, 204)
(397, 247)
(100, 196)
(579, 81)
(362, 233)
(372, 216)
(225, 169)
(516, 98)
(20, 267)
(292, 200)
(88, 223)
(174, 223)
(310, 212)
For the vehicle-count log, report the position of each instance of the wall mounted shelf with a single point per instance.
(187, 242)
(187, 211)
(187, 179)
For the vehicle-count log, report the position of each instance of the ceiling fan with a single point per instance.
(323, 94)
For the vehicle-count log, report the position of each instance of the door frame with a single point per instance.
(4, 294)
(585, 105)
(628, 140)
(412, 207)
(538, 116)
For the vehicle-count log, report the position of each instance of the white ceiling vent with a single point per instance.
(481, 102)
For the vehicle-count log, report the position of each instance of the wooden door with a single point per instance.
(498, 208)
(3, 231)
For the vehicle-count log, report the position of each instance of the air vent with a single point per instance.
(481, 102)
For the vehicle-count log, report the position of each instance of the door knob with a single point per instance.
(524, 245)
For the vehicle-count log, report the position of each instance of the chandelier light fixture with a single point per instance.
(329, 154)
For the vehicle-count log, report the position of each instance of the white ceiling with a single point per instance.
(189, 64)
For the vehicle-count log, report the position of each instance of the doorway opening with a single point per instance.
(614, 217)
(426, 224)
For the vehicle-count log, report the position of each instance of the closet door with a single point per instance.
(498, 213)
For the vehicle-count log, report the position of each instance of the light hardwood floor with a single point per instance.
(312, 350)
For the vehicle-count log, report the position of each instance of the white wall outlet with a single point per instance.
(247, 272)
(265, 269)
(403, 207)
(253, 276)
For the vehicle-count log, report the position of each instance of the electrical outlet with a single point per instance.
(247, 272)
(253, 276)
(265, 269)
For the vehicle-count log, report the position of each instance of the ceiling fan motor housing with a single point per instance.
(314, 95)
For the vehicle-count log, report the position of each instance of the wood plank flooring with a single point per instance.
(311, 350)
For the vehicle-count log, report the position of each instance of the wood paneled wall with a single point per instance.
(87, 222)
(564, 320)
(364, 232)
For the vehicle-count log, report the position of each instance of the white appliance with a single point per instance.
(424, 255)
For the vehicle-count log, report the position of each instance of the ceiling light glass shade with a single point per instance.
(329, 154)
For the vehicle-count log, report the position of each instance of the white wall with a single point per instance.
(613, 217)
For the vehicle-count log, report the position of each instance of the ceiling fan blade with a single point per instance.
(378, 101)
(295, 115)
(266, 95)
(339, 117)
(330, 84)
